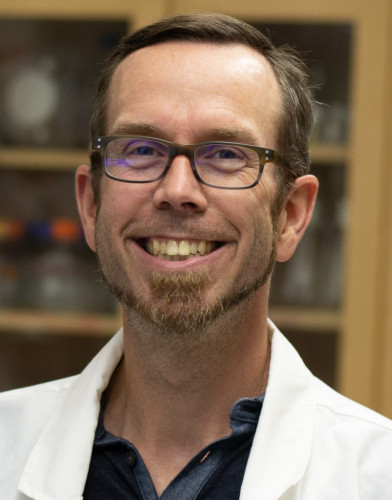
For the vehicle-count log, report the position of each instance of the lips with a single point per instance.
(170, 249)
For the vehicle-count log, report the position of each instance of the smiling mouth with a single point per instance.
(178, 249)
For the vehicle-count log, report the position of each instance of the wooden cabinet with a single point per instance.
(350, 341)
(364, 351)
(50, 56)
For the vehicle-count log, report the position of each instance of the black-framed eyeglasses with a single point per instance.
(223, 165)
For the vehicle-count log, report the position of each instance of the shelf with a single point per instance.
(58, 323)
(42, 159)
(316, 320)
(329, 153)
(305, 319)
(69, 159)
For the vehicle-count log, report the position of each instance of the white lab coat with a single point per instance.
(310, 444)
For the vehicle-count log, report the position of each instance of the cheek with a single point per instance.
(254, 210)
(109, 223)
(263, 225)
(255, 227)
(264, 234)
(120, 202)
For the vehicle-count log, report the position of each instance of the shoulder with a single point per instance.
(353, 444)
(335, 406)
(289, 376)
(41, 393)
(337, 447)
(24, 412)
(23, 415)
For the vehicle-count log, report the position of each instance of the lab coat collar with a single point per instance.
(283, 440)
(58, 465)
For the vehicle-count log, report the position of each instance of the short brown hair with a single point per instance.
(296, 118)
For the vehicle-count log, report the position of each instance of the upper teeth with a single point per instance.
(182, 248)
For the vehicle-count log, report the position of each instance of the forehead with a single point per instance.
(195, 81)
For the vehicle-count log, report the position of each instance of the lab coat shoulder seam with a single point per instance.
(372, 419)
(46, 388)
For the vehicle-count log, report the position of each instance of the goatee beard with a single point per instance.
(178, 304)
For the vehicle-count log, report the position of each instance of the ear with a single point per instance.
(86, 203)
(296, 215)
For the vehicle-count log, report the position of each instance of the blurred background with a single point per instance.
(333, 299)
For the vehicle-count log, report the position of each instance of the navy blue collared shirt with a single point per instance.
(117, 470)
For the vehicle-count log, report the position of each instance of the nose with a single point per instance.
(179, 190)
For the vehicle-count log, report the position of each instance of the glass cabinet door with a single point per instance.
(53, 305)
(311, 281)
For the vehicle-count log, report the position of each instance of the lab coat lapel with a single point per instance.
(283, 439)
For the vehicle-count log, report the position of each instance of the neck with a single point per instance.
(169, 384)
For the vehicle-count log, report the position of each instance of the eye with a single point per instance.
(141, 149)
(221, 152)
(226, 154)
(222, 157)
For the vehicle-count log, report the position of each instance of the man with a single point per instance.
(201, 127)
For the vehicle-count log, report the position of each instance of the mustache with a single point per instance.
(169, 225)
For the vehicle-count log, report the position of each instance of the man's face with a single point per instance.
(185, 93)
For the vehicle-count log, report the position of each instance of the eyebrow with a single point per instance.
(229, 134)
(142, 128)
